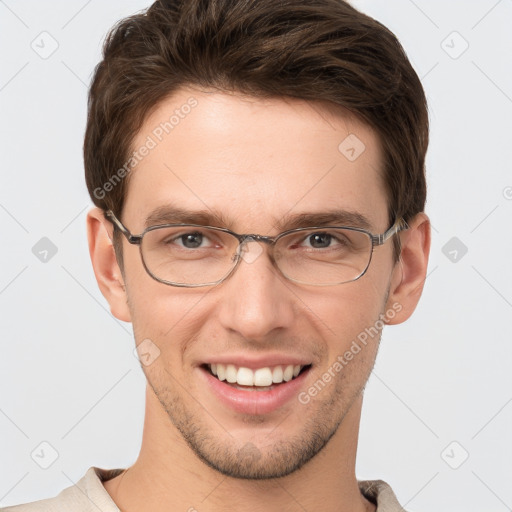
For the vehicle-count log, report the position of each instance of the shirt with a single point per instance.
(89, 495)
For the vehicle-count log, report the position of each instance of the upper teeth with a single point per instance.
(260, 377)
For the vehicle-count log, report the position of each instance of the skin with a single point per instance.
(254, 161)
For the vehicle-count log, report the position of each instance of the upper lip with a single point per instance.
(253, 362)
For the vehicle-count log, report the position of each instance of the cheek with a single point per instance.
(169, 317)
(155, 307)
(352, 308)
(350, 320)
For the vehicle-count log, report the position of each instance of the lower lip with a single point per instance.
(252, 401)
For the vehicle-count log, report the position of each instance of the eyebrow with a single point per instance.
(169, 214)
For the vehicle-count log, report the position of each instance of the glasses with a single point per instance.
(192, 255)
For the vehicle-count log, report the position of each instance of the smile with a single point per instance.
(255, 391)
(260, 377)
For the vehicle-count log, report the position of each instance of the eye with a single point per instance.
(191, 240)
(320, 240)
(325, 240)
(197, 239)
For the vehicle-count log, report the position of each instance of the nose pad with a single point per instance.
(250, 252)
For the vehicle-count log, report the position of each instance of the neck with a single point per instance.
(168, 475)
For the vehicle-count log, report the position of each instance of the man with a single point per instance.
(267, 158)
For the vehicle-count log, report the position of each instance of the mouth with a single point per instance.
(258, 379)
(249, 385)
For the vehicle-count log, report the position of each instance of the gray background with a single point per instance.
(441, 390)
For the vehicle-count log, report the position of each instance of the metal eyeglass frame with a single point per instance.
(399, 225)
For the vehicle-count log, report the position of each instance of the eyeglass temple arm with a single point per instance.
(399, 225)
(133, 239)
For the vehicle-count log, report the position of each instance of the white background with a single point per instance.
(68, 375)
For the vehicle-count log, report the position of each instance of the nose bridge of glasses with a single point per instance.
(257, 238)
(249, 256)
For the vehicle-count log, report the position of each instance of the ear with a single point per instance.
(410, 271)
(106, 269)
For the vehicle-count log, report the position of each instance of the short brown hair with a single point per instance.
(312, 50)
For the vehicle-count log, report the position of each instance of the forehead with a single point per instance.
(251, 161)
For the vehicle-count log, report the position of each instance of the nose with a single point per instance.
(256, 300)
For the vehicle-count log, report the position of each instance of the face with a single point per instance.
(256, 164)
